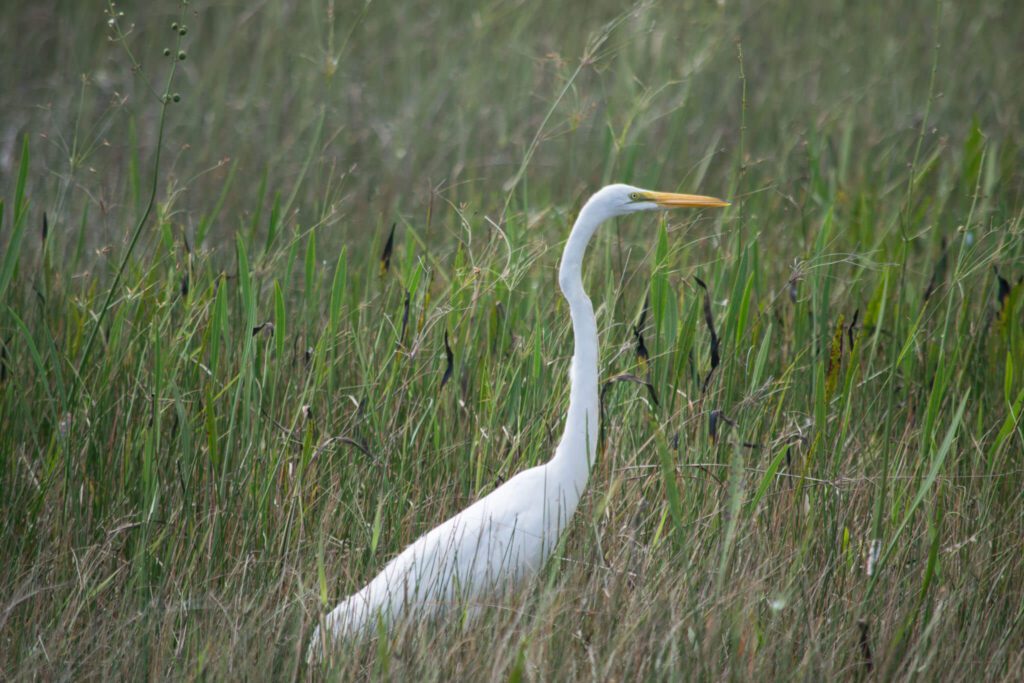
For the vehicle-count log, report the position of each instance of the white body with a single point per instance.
(509, 534)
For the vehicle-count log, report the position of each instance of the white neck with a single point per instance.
(576, 451)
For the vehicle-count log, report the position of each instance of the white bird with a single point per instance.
(507, 535)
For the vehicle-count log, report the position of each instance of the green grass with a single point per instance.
(182, 495)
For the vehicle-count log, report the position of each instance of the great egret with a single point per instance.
(508, 534)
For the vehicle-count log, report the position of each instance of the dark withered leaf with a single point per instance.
(714, 418)
(1004, 290)
(710, 322)
(405, 316)
(865, 645)
(184, 285)
(385, 257)
(46, 228)
(4, 368)
(449, 367)
(642, 355)
(853, 325)
(629, 377)
(266, 328)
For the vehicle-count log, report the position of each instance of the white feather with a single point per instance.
(508, 535)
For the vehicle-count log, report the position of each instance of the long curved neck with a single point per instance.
(578, 447)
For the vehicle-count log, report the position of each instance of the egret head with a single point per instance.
(619, 200)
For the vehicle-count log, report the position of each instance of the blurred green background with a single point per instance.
(391, 100)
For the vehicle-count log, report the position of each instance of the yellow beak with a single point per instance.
(672, 200)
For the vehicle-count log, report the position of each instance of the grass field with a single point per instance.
(221, 410)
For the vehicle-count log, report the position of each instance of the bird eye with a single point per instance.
(635, 196)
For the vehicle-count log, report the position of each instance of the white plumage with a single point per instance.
(507, 535)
